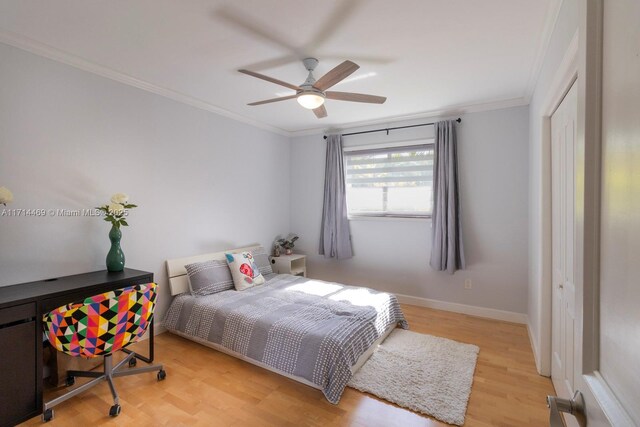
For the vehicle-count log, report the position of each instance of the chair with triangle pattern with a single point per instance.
(100, 326)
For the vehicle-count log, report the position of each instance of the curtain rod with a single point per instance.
(459, 120)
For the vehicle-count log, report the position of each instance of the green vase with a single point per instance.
(115, 257)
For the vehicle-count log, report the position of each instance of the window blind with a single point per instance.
(392, 181)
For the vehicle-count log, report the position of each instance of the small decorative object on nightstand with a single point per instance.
(295, 264)
(288, 243)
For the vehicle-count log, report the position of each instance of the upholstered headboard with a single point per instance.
(178, 280)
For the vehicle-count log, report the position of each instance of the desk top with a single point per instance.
(33, 291)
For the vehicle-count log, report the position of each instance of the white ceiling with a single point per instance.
(426, 56)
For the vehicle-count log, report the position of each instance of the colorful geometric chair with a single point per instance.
(100, 326)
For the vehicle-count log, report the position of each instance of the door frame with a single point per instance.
(582, 64)
(565, 76)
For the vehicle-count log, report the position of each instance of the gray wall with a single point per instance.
(566, 26)
(69, 139)
(393, 255)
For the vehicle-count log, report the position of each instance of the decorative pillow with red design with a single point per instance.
(244, 270)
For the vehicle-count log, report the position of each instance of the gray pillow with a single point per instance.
(261, 259)
(209, 277)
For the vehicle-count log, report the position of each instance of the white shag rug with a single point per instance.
(426, 374)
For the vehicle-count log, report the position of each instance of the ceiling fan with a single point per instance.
(312, 93)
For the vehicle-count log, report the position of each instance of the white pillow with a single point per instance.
(244, 270)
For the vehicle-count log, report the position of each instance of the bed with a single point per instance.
(315, 332)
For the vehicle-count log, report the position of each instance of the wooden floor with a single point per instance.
(208, 388)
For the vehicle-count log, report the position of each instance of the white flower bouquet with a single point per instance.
(6, 196)
(116, 211)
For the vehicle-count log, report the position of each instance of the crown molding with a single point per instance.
(41, 49)
(553, 12)
(44, 50)
(451, 111)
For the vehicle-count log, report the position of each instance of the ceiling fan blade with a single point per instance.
(355, 97)
(269, 79)
(241, 19)
(340, 14)
(320, 112)
(384, 60)
(267, 101)
(336, 75)
(272, 63)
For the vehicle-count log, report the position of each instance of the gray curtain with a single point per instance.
(447, 251)
(335, 238)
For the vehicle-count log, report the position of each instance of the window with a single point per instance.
(390, 181)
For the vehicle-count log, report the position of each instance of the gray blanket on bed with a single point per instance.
(304, 327)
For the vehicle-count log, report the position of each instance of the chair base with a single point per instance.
(109, 373)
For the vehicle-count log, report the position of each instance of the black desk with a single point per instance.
(21, 310)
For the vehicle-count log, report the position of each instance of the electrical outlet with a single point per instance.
(468, 284)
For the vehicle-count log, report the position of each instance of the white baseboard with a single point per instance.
(472, 310)
(534, 347)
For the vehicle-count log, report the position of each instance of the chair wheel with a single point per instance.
(133, 362)
(161, 375)
(70, 381)
(47, 415)
(114, 411)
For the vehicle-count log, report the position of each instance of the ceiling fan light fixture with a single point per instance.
(312, 93)
(310, 100)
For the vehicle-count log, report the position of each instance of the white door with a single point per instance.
(596, 226)
(618, 379)
(563, 132)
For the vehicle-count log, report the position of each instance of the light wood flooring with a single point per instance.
(208, 388)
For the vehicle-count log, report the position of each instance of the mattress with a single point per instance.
(301, 327)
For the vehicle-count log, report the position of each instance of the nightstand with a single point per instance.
(295, 264)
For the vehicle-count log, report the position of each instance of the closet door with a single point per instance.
(563, 131)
